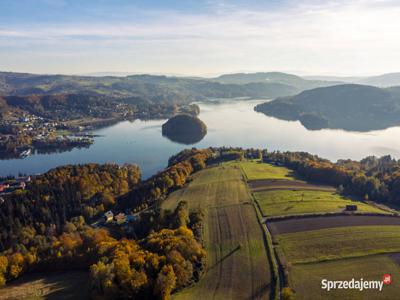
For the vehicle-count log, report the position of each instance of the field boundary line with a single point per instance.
(274, 269)
(345, 258)
(289, 188)
(246, 233)
(228, 205)
(328, 214)
(382, 207)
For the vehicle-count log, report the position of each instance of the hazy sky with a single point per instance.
(200, 37)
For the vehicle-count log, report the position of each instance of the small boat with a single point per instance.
(26, 153)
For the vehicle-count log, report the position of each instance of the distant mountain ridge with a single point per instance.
(384, 80)
(159, 87)
(279, 77)
(350, 106)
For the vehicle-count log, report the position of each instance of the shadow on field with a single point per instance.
(261, 292)
(68, 288)
(68, 285)
(225, 257)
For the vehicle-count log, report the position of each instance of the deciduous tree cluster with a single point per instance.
(372, 178)
(151, 268)
(156, 188)
(53, 198)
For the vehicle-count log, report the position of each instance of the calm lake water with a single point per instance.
(230, 123)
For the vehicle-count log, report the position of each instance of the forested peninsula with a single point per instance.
(350, 107)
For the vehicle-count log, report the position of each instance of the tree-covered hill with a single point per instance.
(184, 129)
(46, 228)
(350, 107)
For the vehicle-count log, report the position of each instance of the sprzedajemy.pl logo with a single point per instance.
(354, 284)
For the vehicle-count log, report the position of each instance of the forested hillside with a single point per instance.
(45, 228)
(55, 197)
(350, 107)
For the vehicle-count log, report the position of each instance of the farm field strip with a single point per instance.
(333, 247)
(284, 188)
(278, 193)
(275, 184)
(257, 170)
(338, 242)
(211, 187)
(324, 222)
(299, 202)
(306, 278)
(237, 261)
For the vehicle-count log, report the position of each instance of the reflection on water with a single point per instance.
(185, 138)
(229, 124)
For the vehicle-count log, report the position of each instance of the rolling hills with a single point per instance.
(266, 77)
(159, 88)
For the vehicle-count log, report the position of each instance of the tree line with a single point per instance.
(154, 190)
(372, 178)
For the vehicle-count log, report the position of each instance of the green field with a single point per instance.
(237, 262)
(338, 242)
(306, 278)
(256, 170)
(216, 186)
(289, 202)
(334, 253)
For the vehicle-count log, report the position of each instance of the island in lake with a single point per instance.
(184, 129)
(350, 107)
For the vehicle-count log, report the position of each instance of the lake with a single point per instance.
(230, 123)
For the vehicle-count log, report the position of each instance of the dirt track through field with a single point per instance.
(315, 223)
(238, 266)
(236, 274)
(282, 184)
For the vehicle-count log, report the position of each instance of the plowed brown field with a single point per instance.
(282, 184)
(315, 223)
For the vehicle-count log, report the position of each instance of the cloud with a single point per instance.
(329, 37)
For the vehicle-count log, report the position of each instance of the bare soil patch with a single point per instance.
(315, 223)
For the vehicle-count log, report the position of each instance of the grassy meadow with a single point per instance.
(295, 202)
(306, 278)
(222, 185)
(256, 170)
(338, 242)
